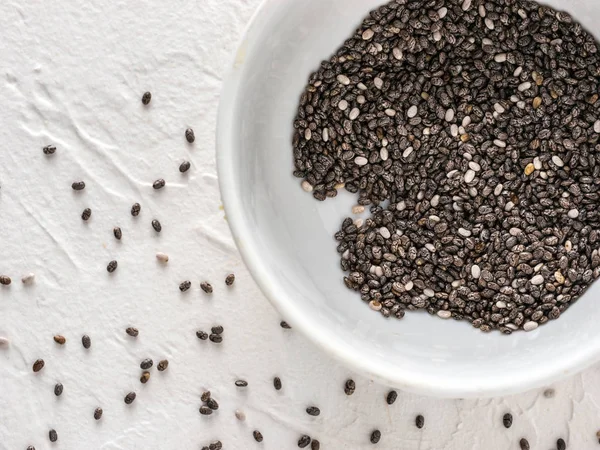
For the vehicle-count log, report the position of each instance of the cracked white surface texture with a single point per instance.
(72, 74)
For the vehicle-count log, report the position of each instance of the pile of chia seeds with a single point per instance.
(470, 128)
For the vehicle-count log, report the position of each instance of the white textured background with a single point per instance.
(72, 74)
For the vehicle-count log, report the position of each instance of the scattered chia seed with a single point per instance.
(131, 331)
(162, 365)
(216, 445)
(28, 279)
(375, 436)
(420, 421)
(184, 166)
(98, 413)
(304, 441)
(146, 364)
(217, 329)
(240, 415)
(60, 339)
(145, 377)
(216, 338)
(159, 184)
(189, 135)
(507, 420)
(118, 233)
(313, 411)
(229, 280)
(212, 404)
(489, 174)
(549, 393)
(349, 387)
(162, 257)
(129, 398)
(205, 396)
(391, 397)
(157, 226)
(201, 335)
(31, 447)
(112, 266)
(185, 286)
(49, 150)
(277, 383)
(146, 98)
(135, 209)
(241, 383)
(52, 435)
(258, 437)
(561, 444)
(58, 389)
(524, 443)
(315, 445)
(4, 280)
(206, 287)
(86, 214)
(205, 411)
(285, 325)
(78, 186)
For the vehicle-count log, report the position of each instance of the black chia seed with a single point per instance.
(159, 184)
(304, 441)
(561, 444)
(524, 444)
(53, 435)
(230, 279)
(49, 150)
(420, 421)
(184, 166)
(135, 209)
(241, 383)
(488, 163)
(146, 364)
(375, 436)
(205, 396)
(258, 437)
(185, 286)
(86, 341)
(391, 397)
(129, 398)
(315, 445)
(131, 331)
(86, 214)
(118, 233)
(5, 280)
(277, 383)
(162, 365)
(206, 287)
(349, 387)
(212, 404)
(507, 420)
(202, 335)
(205, 411)
(216, 338)
(98, 413)
(313, 411)
(217, 329)
(112, 266)
(216, 445)
(146, 98)
(189, 135)
(283, 324)
(157, 226)
(78, 186)
(58, 389)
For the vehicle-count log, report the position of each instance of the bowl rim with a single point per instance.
(334, 346)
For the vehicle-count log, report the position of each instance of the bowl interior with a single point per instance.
(286, 237)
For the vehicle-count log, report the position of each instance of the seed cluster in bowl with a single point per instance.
(470, 128)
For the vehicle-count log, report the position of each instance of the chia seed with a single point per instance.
(86, 341)
(157, 226)
(135, 209)
(58, 389)
(206, 287)
(229, 280)
(130, 398)
(52, 435)
(285, 325)
(162, 365)
(49, 149)
(304, 441)
(420, 421)
(5, 280)
(131, 331)
(189, 135)
(201, 335)
(184, 166)
(258, 437)
(112, 266)
(313, 411)
(277, 383)
(146, 364)
(118, 233)
(158, 184)
(86, 214)
(349, 387)
(489, 175)
(78, 186)
(146, 98)
(98, 413)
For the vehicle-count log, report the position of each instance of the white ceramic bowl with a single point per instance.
(286, 237)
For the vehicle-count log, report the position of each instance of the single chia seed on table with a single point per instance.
(391, 397)
(53, 435)
(202, 335)
(189, 135)
(49, 149)
(507, 420)
(184, 286)
(129, 398)
(86, 341)
(258, 437)
(277, 383)
(420, 421)
(78, 186)
(304, 441)
(159, 184)
(135, 209)
(118, 233)
(146, 364)
(144, 377)
(86, 214)
(472, 135)
(112, 266)
(146, 98)
(58, 389)
(375, 436)
(313, 411)
(60, 339)
(38, 365)
(131, 331)
(157, 226)
(184, 166)
(230, 279)
(241, 383)
(524, 444)
(162, 365)
(349, 387)
(205, 396)
(315, 445)
(206, 287)
(98, 413)
(5, 280)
